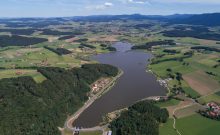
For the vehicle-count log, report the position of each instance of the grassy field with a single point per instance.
(91, 133)
(170, 102)
(215, 97)
(167, 128)
(198, 125)
(194, 69)
(38, 77)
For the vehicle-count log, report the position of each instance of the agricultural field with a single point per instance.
(197, 125)
(52, 46)
(188, 111)
(65, 44)
(198, 72)
(194, 72)
(167, 128)
(201, 82)
(91, 133)
(170, 102)
(214, 97)
(10, 73)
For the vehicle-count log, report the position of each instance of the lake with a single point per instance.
(134, 85)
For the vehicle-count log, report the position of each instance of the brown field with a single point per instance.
(171, 109)
(201, 82)
(206, 42)
(72, 39)
(19, 52)
(52, 39)
(105, 38)
(190, 110)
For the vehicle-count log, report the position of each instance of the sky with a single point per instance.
(65, 8)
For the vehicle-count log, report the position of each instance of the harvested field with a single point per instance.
(106, 38)
(72, 39)
(201, 82)
(171, 109)
(188, 111)
(210, 98)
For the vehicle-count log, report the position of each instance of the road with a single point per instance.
(69, 122)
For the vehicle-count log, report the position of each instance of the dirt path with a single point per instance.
(174, 118)
(183, 104)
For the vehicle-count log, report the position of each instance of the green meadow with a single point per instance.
(198, 125)
(170, 102)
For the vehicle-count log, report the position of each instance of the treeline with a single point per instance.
(206, 48)
(59, 51)
(28, 108)
(181, 58)
(55, 32)
(170, 51)
(110, 48)
(82, 45)
(19, 31)
(15, 40)
(81, 40)
(34, 23)
(192, 33)
(148, 45)
(142, 118)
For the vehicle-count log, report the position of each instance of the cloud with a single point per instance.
(108, 4)
(100, 7)
(138, 1)
(170, 1)
(135, 1)
(188, 1)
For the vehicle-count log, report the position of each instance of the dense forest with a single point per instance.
(200, 19)
(87, 45)
(195, 32)
(57, 33)
(58, 51)
(142, 118)
(148, 45)
(28, 108)
(15, 40)
(31, 22)
(19, 31)
(206, 48)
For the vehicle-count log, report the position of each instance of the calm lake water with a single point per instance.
(135, 84)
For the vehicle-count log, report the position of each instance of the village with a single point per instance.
(100, 85)
(212, 111)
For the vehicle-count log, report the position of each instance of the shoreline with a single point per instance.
(69, 122)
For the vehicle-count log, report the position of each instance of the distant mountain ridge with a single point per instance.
(208, 19)
(212, 19)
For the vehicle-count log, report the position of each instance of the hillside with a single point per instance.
(38, 109)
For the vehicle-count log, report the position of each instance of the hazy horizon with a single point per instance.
(70, 8)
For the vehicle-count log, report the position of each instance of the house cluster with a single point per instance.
(213, 110)
(99, 85)
(164, 82)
